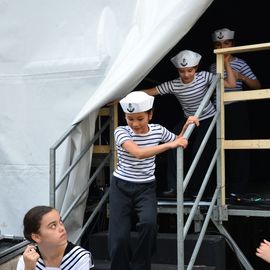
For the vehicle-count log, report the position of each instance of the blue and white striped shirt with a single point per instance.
(133, 169)
(238, 65)
(190, 95)
(75, 258)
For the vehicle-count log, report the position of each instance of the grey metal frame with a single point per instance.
(182, 228)
(107, 159)
(218, 211)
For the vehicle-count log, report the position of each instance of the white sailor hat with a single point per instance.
(186, 58)
(137, 101)
(222, 34)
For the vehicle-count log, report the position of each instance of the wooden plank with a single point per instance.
(101, 149)
(247, 95)
(221, 130)
(105, 111)
(115, 124)
(245, 48)
(246, 144)
(236, 96)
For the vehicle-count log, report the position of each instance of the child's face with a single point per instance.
(223, 44)
(187, 74)
(52, 232)
(139, 121)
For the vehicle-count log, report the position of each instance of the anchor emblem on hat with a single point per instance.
(220, 35)
(184, 62)
(130, 108)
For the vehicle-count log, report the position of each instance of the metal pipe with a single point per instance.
(199, 152)
(202, 233)
(201, 191)
(180, 209)
(98, 207)
(77, 199)
(80, 156)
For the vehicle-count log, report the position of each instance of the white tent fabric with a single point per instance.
(56, 55)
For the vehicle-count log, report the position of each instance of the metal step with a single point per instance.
(105, 265)
(170, 206)
(212, 252)
(11, 247)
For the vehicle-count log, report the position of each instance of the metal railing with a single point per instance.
(17, 249)
(14, 249)
(182, 183)
(106, 159)
(217, 210)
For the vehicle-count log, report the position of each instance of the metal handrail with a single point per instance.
(219, 194)
(54, 186)
(205, 99)
(182, 182)
(198, 198)
(13, 251)
(89, 182)
(203, 231)
(90, 219)
(81, 155)
(200, 150)
(53, 149)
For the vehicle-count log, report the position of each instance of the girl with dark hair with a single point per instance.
(50, 249)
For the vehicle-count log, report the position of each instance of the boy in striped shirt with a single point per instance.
(237, 124)
(190, 88)
(133, 187)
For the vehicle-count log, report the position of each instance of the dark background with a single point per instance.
(250, 21)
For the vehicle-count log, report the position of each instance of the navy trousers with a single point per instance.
(125, 199)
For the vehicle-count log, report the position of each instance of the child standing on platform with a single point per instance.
(190, 88)
(237, 124)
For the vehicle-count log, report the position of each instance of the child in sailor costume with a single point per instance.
(133, 186)
(237, 125)
(189, 89)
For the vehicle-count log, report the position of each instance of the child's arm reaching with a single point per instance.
(145, 152)
(190, 120)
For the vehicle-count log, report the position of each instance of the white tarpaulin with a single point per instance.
(60, 62)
